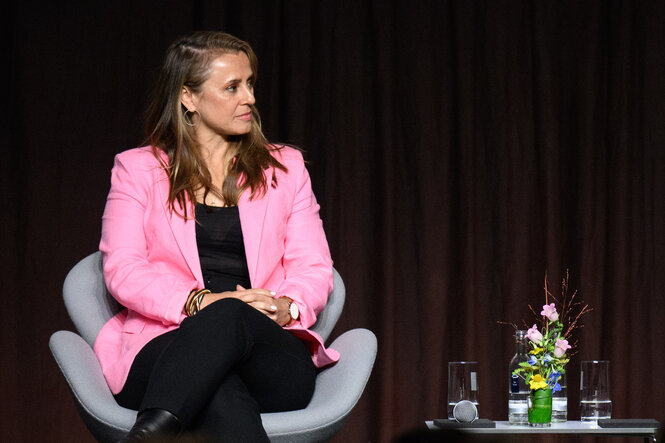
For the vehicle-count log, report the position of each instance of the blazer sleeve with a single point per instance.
(133, 276)
(307, 262)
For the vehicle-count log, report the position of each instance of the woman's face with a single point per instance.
(223, 104)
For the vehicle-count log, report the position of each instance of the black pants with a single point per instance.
(220, 370)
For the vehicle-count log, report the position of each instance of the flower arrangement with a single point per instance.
(550, 343)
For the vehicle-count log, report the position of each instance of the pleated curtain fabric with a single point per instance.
(460, 150)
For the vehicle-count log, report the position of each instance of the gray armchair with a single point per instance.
(89, 305)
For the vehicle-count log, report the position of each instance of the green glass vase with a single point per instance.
(540, 408)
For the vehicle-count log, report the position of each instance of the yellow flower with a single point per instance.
(536, 351)
(537, 382)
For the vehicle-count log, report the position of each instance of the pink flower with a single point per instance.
(534, 335)
(560, 347)
(549, 311)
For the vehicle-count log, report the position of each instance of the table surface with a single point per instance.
(569, 427)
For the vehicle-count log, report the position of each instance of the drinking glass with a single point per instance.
(462, 384)
(595, 402)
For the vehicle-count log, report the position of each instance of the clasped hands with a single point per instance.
(263, 300)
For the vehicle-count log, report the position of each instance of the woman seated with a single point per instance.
(212, 240)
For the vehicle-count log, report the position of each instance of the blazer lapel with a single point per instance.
(184, 232)
(252, 217)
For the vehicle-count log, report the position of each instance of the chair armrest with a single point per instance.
(345, 381)
(81, 369)
(338, 387)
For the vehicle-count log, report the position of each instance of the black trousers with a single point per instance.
(220, 370)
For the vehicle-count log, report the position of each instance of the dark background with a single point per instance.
(459, 149)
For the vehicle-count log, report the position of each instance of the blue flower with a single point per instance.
(553, 381)
(532, 360)
(547, 358)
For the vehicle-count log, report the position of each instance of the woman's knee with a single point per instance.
(227, 309)
(223, 317)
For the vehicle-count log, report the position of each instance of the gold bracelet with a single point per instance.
(194, 303)
(199, 298)
(186, 308)
(190, 302)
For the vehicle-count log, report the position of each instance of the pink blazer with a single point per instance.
(151, 260)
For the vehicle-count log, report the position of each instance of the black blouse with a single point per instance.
(221, 248)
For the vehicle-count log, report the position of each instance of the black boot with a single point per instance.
(151, 423)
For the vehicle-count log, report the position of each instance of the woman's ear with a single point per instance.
(187, 99)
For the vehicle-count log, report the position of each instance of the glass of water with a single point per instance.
(462, 384)
(595, 401)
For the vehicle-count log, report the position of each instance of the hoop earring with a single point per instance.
(187, 118)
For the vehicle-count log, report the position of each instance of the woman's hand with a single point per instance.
(262, 300)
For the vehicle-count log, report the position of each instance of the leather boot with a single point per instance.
(151, 423)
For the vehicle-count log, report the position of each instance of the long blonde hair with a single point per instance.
(187, 63)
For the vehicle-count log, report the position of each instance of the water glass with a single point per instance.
(595, 401)
(462, 384)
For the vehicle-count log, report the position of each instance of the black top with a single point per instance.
(221, 248)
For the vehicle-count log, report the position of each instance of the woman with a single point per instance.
(211, 238)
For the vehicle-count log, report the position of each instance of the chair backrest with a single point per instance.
(90, 305)
(87, 301)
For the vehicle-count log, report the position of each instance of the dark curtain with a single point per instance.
(460, 150)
